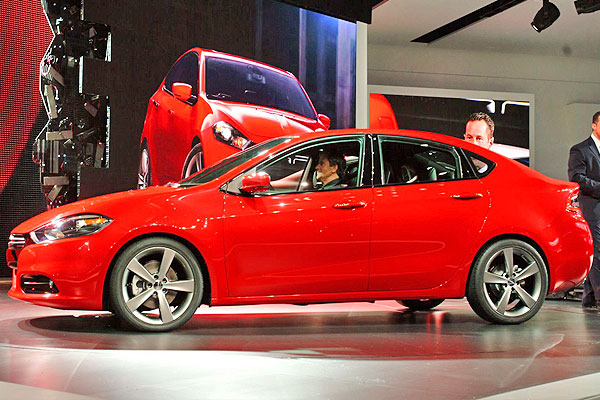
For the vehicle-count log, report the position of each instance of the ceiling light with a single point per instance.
(545, 16)
(587, 6)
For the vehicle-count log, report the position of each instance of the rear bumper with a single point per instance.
(571, 256)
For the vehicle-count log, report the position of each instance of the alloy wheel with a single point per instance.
(508, 282)
(156, 285)
(512, 281)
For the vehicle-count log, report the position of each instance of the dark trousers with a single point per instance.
(591, 287)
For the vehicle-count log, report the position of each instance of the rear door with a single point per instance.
(428, 211)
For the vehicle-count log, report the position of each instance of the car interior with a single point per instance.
(297, 171)
(404, 163)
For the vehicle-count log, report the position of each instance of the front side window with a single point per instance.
(322, 165)
(240, 82)
(406, 162)
(185, 71)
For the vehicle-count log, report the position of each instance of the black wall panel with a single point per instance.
(147, 37)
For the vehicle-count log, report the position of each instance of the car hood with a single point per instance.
(261, 123)
(107, 205)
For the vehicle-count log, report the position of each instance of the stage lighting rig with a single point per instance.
(545, 16)
(587, 6)
(76, 134)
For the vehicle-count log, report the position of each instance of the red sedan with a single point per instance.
(413, 216)
(211, 105)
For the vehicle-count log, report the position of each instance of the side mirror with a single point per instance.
(256, 183)
(182, 91)
(325, 120)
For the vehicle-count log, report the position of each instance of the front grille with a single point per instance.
(17, 241)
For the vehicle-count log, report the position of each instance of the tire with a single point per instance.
(144, 168)
(421, 305)
(504, 291)
(156, 285)
(194, 161)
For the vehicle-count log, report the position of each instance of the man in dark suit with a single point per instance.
(584, 168)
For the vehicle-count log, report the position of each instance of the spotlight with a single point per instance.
(587, 6)
(545, 16)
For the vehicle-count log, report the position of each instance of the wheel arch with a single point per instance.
(206, 295)
(195, 141)
(507, 236)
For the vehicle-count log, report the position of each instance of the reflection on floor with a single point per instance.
(334, 351)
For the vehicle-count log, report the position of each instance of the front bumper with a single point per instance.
(76, 267)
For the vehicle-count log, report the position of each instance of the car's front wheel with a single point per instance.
(156, 285)
(508, 282)
(193, 162)
(422, 304)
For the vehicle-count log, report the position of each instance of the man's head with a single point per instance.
(480, 130)
(330, 167)
(596, 124)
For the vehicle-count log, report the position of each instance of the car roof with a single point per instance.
(436, 137)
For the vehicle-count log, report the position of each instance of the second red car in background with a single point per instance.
(211, 105)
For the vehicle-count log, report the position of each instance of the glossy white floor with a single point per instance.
(334, 351)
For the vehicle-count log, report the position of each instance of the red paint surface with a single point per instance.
(25, 37)
(381, 113)
(291, 248)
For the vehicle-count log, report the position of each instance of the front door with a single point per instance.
(301, 236)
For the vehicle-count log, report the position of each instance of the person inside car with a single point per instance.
(330, 168)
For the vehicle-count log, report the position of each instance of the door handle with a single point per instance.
(467, 196)
(348, 205)
(156, 103)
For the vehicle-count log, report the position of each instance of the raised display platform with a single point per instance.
(335, 351)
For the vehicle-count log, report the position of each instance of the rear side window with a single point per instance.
(480, 166)
(406, 162)
(185, 71)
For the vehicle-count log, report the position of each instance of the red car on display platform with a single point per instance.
(417, 217)
(211, 105)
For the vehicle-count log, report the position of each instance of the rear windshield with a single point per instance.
(210, 173)
(240, 82)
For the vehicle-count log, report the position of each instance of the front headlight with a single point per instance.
(77, 225)
(227, 134)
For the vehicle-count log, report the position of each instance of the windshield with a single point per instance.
(240, 82)
(208, 174)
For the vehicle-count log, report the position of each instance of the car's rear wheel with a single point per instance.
(156, 285)
(422, 304)
(193, 162)
(144, 169)
(508, 282)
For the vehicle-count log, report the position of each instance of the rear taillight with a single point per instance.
(573, 203)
